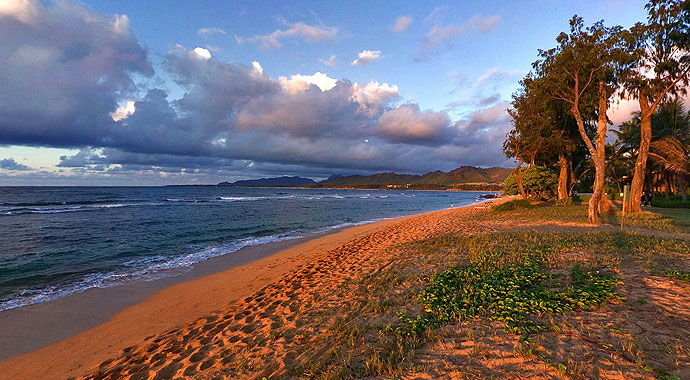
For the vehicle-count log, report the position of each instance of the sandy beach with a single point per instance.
(261, 318)
(305, 267)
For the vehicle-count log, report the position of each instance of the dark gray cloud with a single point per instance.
(11, 164)
(63, 69)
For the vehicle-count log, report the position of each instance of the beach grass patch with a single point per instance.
(678, 275)
(516, 204)
(521, 281)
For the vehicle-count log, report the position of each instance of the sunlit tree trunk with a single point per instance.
(598, 154)
(636, 187)
(563, 177)
(599, 158)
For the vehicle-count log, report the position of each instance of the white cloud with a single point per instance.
(300, 83)
(329, 61)
(123, 112)
(23, 10)
(202, 53)
(306, 32)
(401, 24)
(205, 32)
(366, 56)
(372, 97)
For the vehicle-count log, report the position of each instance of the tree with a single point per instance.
(532, 132)
(542, 133)
(583, 71)
(538, 182)
(663, 68)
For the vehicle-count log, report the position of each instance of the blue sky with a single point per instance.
(229, 90)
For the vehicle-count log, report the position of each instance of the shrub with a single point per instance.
(674, 201)
(539, 182)
(516, 204)
(581, 198)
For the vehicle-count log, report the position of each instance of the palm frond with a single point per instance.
(672, 154)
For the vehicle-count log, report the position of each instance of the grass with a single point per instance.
(523, 280)
(681, 217)
(670, 220)
(678, 275)
(516, 204)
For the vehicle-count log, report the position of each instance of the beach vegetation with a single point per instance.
(538, 182)
(516, 204)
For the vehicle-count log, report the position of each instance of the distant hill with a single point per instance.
(464, 177)
(284, 181)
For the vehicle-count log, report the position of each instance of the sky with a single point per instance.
(104, 92)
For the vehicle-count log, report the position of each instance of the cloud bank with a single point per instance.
(232, 118)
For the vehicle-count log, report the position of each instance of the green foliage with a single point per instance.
(678, 274)
(511, 294)
(538, 182)
(516, 204)
(674, 201)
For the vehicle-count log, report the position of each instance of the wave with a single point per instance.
(59, 210)
(156, 267)
(144, 269)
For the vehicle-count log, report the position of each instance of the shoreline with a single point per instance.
(120, 316)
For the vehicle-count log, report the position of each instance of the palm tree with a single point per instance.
(674, 156)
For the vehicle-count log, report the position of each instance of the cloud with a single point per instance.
(435, 40)
(11, 164)
(497, 75)
(365, 57)
(373, 97)
(230, 118)
(401, 24)
(436, 15)
(300, 30)
(480, 24)
(123, 112)
(82, 63)
(441, 38)
(300, 83)
(486, 89)
(329, 61)
(206, 32)
(406, 124)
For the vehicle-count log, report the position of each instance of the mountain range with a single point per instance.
(464, 177)
(284, 181)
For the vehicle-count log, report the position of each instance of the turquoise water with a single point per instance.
(55, 241)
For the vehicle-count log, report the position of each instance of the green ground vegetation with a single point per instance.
(525, 282)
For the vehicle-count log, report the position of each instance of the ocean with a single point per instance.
(56, 241)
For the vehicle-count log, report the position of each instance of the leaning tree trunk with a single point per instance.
(599, 158)
(518, 180)
(636, 187)
(563, 177)
(598, 153)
